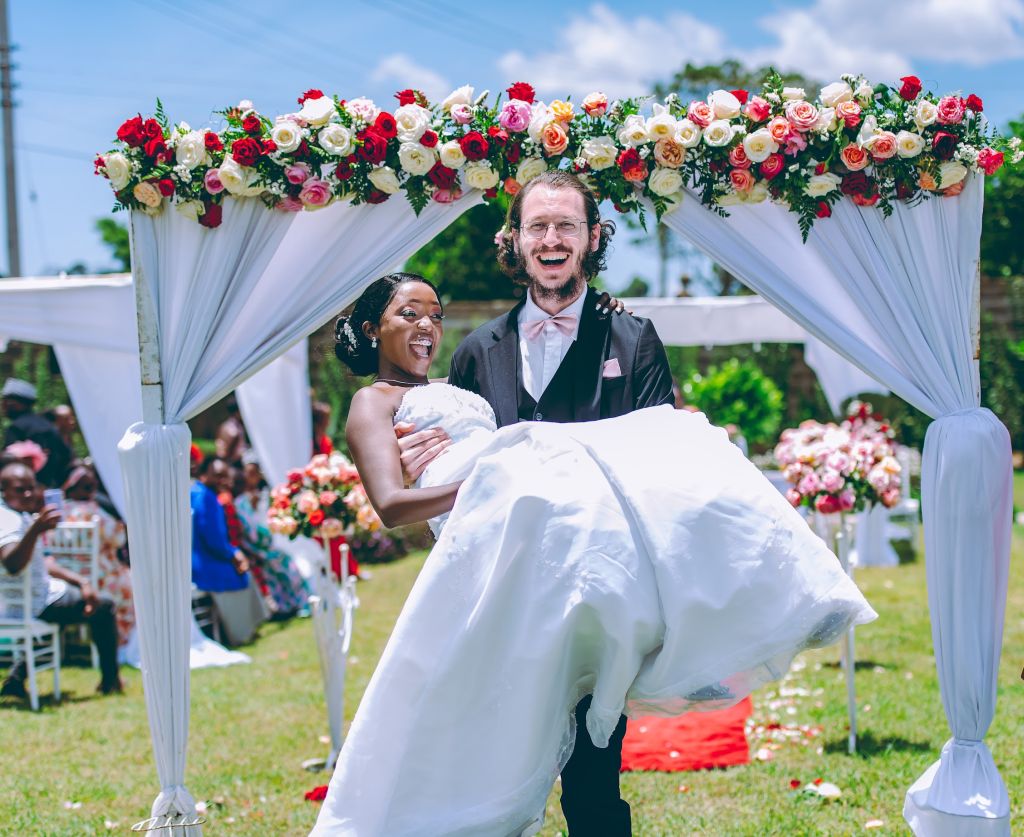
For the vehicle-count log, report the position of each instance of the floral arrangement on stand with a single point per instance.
(874, 144)
(841, 468)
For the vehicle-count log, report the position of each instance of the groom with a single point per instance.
(555, 357)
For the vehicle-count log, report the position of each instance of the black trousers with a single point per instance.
(590, 783)
(69, 609)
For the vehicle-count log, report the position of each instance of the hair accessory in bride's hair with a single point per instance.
(343, 329)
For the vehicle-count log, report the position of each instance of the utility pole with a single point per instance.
(7, 105)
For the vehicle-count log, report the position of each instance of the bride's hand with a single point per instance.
(607, 303)
(419, 448)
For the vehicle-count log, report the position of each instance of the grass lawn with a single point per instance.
(85, 766)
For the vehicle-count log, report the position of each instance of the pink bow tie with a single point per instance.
(565, 323)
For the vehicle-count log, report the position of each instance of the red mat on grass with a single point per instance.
(694, 741)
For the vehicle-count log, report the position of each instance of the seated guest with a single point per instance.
(218, 568)
(58, 596)
(115, 579)
(18, 399)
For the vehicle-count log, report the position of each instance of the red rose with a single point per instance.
(268, 146)
(166, 187)
(990, 160)
(318, 794)
(343, 171)
(132, 133)
(385, 125)
(246, 151)
(867, 199)
(406, 97)
(374, 148)
(97, 164)
(429, 139)
(513, 153)
(856, 183)
(718, 166)
(302, 150)
(974, 103)
(742, 95)
(294, 475)
(498, 134)
(944, 144)
(316, 517)
(522, 91)
(153, 130)
(156, 149)
(491, 193)
(442, 176)
(212, 142)
(911, 87)
(632, 167)
(824, 210)
(772, 166)
(474, 146)
(820, 168)
(213, 215)
(793, 783)
(312, 93)
(827, 503)
(376, 196)
(252, 125)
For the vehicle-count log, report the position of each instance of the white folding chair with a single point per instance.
(76, 547)
(31, 639)
(205, 613)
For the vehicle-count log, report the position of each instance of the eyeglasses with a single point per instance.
(566, 228)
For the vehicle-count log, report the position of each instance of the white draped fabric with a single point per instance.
(727, 321)
(895, 297)
(217, 306)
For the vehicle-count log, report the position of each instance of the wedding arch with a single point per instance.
(874, 191)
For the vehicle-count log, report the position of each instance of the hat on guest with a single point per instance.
(17, 388)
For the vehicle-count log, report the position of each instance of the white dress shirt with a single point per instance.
(543, 355)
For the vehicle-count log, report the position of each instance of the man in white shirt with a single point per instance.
(59, 596)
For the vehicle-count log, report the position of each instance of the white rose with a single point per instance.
(724, 104)
(758, 193)
(662, 124)
(413, 121)
(759, 145)
(451, 154)
(793, 93)
(833, 94)
(688, 133)
(820, 185)
(540, 118)
(190, 209)
(909, 144)
(317, 112)
(190, 150)
(363, 108)
(600, 152)
(718, 133)
(118, 170)
(665, 181)
(461, 96)
(868, 129)
(238, 180)
(729, 199)
(147, 194)
(826, 120)
(951, 173)
(336, 139)
(287, 135)
(864, 93)
(925, 113)
(385, 179)
(529, 169)
(416, 158)
(633, 131)
(480, 175)
(245, 106)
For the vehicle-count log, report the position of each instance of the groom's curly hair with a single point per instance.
(594, 261)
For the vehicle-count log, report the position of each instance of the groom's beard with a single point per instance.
(569, 290)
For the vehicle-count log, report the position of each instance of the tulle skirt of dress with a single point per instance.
(640, 559)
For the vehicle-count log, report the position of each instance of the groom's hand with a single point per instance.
(419, 448)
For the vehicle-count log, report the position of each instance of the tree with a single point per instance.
(115, 236)
(1002, 247)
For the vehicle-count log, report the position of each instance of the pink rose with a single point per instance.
(773, 166)
(315, 193)
(297, 173)
(461, 113)
(596, 104)
(700, 113)
(810, 484)
(950, 111)
(331, 528)
(849, 112)
(212, 182)
(832, 481)
(447, 195)
(757, 109)
(990, 160)
(795, 144)
(328, 497)
(854, 157)
(802, 115)
(883, 145)
(741, 180)
(307, 502)
(847, 499)
(890, 497)
(738, 157)
(780, 129)
(794, 497)
(827, 503)
(515, 115)
(290, 204)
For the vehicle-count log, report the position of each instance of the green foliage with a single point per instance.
(115, 236)
(1002, 247)
(1002, 376)
(695, 81)
(636, 287)
(741, 394)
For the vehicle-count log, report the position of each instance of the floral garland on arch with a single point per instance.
(872, 144)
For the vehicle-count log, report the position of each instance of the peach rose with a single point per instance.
(854, 157)
(738, 158)
(669, 152)
(554, 138)
(849, 112)
(511, 186)
(883, 145)
(741, 180)
(926, 181)
(780, 129)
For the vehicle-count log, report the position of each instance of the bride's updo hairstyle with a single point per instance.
(351, 345)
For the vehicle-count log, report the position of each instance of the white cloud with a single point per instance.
(620, 56)
(404, 72)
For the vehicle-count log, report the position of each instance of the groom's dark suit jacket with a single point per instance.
(488, 362)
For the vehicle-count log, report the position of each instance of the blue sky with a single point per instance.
(83, 68)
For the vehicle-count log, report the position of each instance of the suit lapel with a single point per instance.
(503, 365)
(588, 356)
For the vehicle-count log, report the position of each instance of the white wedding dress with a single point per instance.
(640, 559)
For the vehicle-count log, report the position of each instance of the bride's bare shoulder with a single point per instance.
(373, 402)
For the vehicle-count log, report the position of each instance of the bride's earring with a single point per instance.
(373, 342)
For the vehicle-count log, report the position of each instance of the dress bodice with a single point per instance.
(459, 412)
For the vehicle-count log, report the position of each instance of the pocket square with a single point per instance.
(611, 368)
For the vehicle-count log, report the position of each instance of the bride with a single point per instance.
(641, 560)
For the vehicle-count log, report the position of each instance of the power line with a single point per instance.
(51, 151)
